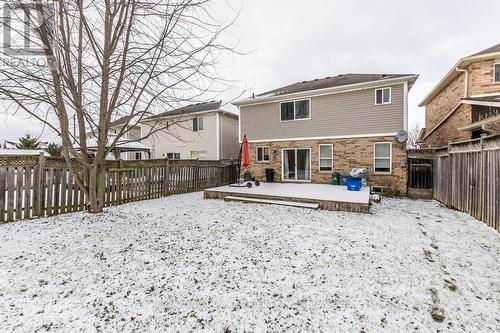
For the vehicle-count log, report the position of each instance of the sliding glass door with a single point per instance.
(296, 164)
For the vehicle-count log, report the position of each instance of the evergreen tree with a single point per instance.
(54, 149)
(27, 142)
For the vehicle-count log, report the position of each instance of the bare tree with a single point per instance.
(108, 59)
(492, 125)
(413, 136)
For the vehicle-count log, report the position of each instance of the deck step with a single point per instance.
(274, 202)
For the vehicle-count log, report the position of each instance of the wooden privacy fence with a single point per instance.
(37, 186)
(467, 178)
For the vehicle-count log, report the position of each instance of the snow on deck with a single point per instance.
(186, 264)
(302, 191)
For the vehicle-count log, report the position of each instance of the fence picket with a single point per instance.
(38, 186)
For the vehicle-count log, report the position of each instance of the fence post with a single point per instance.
(166, 182)
(482, 180)
(119, 196)
(40, 185)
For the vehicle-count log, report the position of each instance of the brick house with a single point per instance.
(458, 106)
(308, 130)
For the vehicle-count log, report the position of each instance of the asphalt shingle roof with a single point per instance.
(330, 82)
(493, 49)
(207, 106)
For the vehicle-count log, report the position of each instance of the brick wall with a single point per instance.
(347, 154)
(448, 131)
(444, 102)
(481, 78)
(480, 83)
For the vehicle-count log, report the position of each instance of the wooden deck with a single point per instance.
(329, 197)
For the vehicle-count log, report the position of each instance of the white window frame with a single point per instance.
(319, 157)
(495, 66)
(283, 166)
(294, 101)
(198, 124)
(382, 158)
(257, 154)
(390, 96)
(173, 156)
(198, 152)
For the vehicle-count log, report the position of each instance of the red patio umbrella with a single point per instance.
(246, 158)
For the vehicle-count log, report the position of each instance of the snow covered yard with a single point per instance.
(188, 264)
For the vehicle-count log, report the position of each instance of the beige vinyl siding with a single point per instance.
(230, 148)
(342, 114)
(180, 137)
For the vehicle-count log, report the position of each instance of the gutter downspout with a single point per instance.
(218, 131)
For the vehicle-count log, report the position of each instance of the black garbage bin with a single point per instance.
(269, 175)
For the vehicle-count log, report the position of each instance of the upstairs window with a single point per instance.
(197, 124)
(262, 154)
(496, 70)
(383, 96)
(325, 157)
(295, 110)
(382, 157)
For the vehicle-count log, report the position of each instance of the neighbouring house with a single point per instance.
(197, 131)
(308, 130)
(457, 108)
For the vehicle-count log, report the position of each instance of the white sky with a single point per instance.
(291, 40)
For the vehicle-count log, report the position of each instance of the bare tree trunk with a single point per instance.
(109, 60)
(96, 189)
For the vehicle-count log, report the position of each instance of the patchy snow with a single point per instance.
(302, 190)
(186, 264)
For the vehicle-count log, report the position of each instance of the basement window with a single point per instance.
(383, 96)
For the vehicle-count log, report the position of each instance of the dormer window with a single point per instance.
(496, 73)
(295, 110)
(383, 96)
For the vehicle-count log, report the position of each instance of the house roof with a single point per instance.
(489, 53)
(329, 82)
(339, 82)
(493, 49)
(193, 108)
(31, 152)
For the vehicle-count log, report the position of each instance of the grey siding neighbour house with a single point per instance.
(341, 114)
(346, 128)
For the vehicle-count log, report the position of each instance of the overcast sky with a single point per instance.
(291, 40)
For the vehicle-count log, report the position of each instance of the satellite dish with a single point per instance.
(402, 136)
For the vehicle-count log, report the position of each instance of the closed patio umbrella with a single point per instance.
(246, 158)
